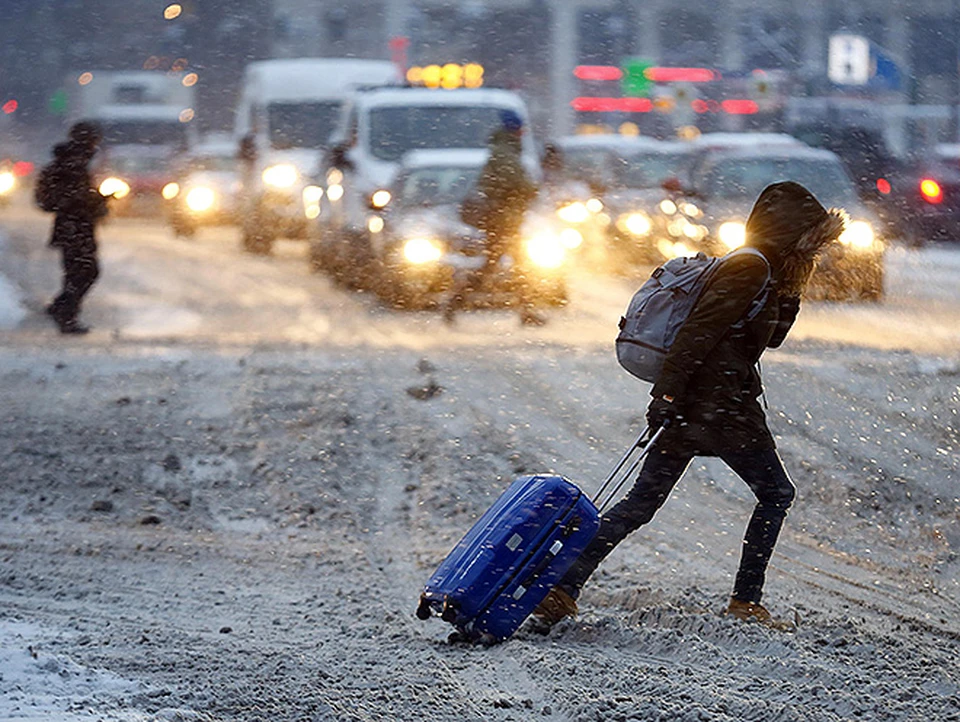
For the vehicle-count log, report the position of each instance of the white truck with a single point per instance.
(286, 113)
(141, 107)
(378, 128)
(146, 118)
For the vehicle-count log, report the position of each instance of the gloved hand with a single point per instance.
(663, 411)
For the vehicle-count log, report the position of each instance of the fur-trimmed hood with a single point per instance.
(799, 263)
(790, 227)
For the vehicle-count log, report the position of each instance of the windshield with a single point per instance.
(590, 165)
(436, 186)
(138, 164)
(650, 170)
(746, 177)
(144, 132)
(301, 125)
(395, 131)
(213, 163)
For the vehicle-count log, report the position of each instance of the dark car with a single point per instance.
(420, 244)
(649, 179)
(205, 191)
(135, 176)
(922, 199)
(727, 182)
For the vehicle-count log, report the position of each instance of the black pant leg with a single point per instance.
(80, 272)
(764, 474)
(658, 476)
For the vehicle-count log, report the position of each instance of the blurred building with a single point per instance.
(531, 45)
(921, 35)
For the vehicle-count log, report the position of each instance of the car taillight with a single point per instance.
(931, 190)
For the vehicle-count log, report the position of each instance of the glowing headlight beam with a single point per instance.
(282, 175)
(546, 250)
(571, 238)
(312, 195)
(668, 206)
(573, 213)
(7, 181)
(200, 199)
(115, 187)
(638, 223)
(170, 191)
(419, 251)
(858, 234)
(380, 199)
(732, 234)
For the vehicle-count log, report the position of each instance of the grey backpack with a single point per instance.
(662, 305)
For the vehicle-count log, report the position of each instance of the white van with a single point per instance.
(287, 111)
(378, 128)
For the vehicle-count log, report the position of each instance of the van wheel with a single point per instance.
(315, 257)
(184, 230)
(256, 243)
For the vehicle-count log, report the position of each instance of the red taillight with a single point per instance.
(883, 185)
(598, 72)
(608, 105)
(740, 106)
(931, 190)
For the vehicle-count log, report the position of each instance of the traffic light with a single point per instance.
(635, 82)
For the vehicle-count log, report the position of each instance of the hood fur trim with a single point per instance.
(801, 260)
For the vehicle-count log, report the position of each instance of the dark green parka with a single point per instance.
(711, 367)
(505, 186)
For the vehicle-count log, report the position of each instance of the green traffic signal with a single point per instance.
(635, 82)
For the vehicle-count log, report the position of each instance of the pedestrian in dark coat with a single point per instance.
(78, 206)
(708, 395)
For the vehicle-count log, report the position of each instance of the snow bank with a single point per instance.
(11, 312)
(36, 685)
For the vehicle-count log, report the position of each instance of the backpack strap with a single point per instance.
(760, 300)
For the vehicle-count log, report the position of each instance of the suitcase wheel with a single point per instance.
(449, 613)
(423, 609)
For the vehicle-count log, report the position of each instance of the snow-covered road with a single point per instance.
(220, 505)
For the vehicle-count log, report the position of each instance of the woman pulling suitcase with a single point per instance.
(708, 397)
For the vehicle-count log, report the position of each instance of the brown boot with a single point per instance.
(756, 612)
(557, 605)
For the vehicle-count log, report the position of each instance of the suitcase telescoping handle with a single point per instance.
(642, 443)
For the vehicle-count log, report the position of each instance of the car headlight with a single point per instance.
(200, 199)
(170, 191)
(7, 181)
(115, 187)
(546, 250)
(380, 199)
(419, 251)
(335, 192)
(571, 238)
(859, 235)
(576, 212)
(732, 234)
(637, 223)
(312, 195)
(282, 175)
(594, 205)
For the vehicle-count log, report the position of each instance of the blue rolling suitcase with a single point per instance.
(517, 551)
